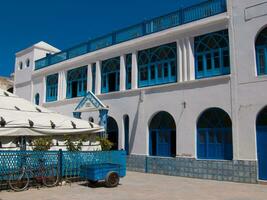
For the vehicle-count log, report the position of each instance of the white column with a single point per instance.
(190, 59)
(134, 71)
(179, 61)
(63, 85)
(184, 60)
(44, 91)
(59, 86)
(122, 73)
(89, 77)
(98, 78)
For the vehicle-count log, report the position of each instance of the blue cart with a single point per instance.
(109, 172)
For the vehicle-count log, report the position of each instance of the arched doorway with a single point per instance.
(113, 132)
(214, 135)
(162, 135)
(126, 133)
(261, 126)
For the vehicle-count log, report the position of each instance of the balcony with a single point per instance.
(177, 18)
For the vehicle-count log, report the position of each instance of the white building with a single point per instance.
(186, 91)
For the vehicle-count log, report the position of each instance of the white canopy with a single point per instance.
(19, 117)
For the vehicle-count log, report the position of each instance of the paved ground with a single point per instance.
(147, 187)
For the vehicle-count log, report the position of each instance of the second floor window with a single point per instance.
(77, 82)
(51, 87)
(110, 75)
(157, 65)
(212, 54)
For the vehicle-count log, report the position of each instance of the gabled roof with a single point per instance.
(40, 45)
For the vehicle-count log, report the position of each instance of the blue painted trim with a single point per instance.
(182, 16)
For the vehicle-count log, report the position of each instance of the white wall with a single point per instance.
(241, 94)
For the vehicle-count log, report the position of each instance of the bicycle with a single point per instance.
(47, 174)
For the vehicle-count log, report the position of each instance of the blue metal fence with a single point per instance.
(179, 17)
(68, 163)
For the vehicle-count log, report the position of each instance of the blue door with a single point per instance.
(262, 152)
(164, 143)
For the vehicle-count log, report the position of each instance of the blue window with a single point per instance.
(162, 135)
(212, 54)
(77, 82)
(261, 52)
(157, 65)
(37, 99)
(128, 71)
(110, 75)
(214, 135)
(93, 77)
(51, 87)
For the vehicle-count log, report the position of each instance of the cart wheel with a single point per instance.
(93, 182)
(112, 179)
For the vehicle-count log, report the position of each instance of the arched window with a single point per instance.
(261, 52)
(111, 75)
(157, 65)
(20, 65)
(261, 127)
(51, 87)
(214, 135)
(212, 54)
(113, 132)
(37, 99)
(28, 62)
(126, 133)
(162, 135)
(77, 82)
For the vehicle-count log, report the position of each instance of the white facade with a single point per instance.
(241, 93)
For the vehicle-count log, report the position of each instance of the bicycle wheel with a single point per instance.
(19, 181)
(51, 176)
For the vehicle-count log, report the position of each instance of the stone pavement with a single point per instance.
(141, 186)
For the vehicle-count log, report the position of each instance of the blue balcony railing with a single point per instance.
(179, 17)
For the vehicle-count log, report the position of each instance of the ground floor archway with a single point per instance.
(261, 128)
(162, 135)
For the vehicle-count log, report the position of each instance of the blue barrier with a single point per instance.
(69, 163)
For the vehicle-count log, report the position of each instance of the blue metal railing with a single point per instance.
(179, 17)
(68, 163)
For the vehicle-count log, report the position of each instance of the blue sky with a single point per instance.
(64, 23)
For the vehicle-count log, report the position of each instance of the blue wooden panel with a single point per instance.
(262, 152)
(214, 143)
